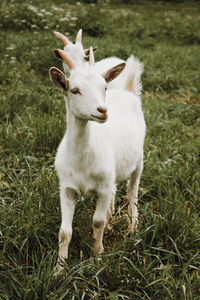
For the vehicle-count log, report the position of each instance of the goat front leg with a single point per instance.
(99, 221)
(132, 195)
(68, 200)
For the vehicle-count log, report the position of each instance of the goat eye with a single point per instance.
(106, 88)
(75, 91)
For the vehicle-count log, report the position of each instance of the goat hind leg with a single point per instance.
(132, 195)
(111, 209)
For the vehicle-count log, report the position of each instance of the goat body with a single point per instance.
(90, 152)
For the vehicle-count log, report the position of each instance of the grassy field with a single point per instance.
(162, 259)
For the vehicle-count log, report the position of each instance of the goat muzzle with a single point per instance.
(102, 109)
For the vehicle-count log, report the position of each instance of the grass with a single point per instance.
(162, 259)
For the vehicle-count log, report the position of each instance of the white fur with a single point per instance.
(133, 66)
(132, 72)
(94, 154)
(76, 52)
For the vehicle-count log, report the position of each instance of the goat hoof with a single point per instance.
(60, 268)
(109, 227)
(132, 227)
(58, 271)
(98, 249)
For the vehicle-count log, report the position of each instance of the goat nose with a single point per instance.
(102, 109)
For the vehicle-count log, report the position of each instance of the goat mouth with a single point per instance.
(103, 118)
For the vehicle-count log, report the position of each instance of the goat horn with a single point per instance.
(67, 59)
(91, 57)
(79, 36)
(61, 37)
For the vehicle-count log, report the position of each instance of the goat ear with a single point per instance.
(114, 72)
(59, 79)
(87, 51)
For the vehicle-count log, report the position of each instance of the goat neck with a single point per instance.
(78, 131)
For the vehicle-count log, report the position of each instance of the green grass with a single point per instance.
(162, 259)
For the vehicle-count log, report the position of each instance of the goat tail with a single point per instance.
(133, 72)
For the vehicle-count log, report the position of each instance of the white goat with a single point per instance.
(78, 54)
(75, 51)
(103, 144)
